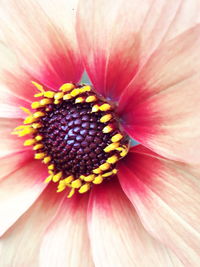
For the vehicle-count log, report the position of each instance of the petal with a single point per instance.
(117, 37)
(44, 43)
(163, 108)
(19, 190)
(66, 241)
(10, 143)
(117, 235)
(166, 197)
(20, 245)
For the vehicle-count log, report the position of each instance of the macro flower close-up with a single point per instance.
(100, 133)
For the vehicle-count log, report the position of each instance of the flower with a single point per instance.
(144, 58)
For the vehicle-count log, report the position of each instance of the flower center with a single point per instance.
(77, 134)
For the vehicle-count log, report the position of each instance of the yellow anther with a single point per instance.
(48, 179)
(107, 129)
(123, 151)
(116, 137)
(51, 167)
(114, 171)
(38, 114)
(57, 177)
(106, 118)
(105, 107)
(60, 189)
(49, 94)
(111, 147)
(105, 166)
(95, 108)
(84, 188)
(47, 160)
(75, 92)
(38, 146)
(25, 131)
(29, 142)
(38, 86)
(38, 138)
(36, 125)
(39, 155)
(59, 95)
(79, 100)
(89, 178)
(71, 193)
(45, 101)
(67, 97)
(107, 174)
(29, 119)
(112, 160)
(97, 171)
(35, 105)
(82, 177)
(76, 183)
(91, 98)
(85, 88)
(98, 180)
(67, 87)
(69, 179)
(56, 101)
(26, 110)
(39, 95)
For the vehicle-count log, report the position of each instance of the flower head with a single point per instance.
(73, 192)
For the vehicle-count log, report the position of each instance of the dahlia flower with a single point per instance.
(74, 190)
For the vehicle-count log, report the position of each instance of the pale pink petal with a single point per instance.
(117, 235)
(163, 107)
(66, 241)
(42, 35)
(20, 245)
(165, 195)
(117, 37)
(13, 162)
(10, 143)
(19, 190)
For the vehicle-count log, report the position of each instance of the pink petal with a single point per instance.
(19, 190)
(10, 143)
(66, 241)
(163, 108)
(117, 37)
(166, 197)
(20, 245)
(42, 34)
(117, 235)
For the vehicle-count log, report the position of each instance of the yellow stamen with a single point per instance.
(67, 97)
(35, 105)
(48, 179)
(38, 86)
(107, 174)
(95, 108)
(89, 178)
(57, 177)
(30, 119)
(107, 129)
(29, 142)
(85, 88)
(98, 180)
(76, 183)
(114, 171)
(105, 166)
(112, 160)
(79, 99)
(106, 118)
(40, 155)
(36, 125)
(69, 179)
(67, 87)
(75, 92)
(116, 137)
(45, 101)
(38, 146)
(38, 138)
(51, 167)
(38, 114)
(84, 188)
(111, 147)
(123, 151)
(47, 160)
(57, 101)
(26, 110)
(91, 98)
(59, 95)
(71, 193)
(97, 171)
(105, 107)
(49, 94)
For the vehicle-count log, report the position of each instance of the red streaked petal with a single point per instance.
(166, 197)
(116, 38)
(20, 245)
(66, 241)
(117, 235)
(19, 190)
(163, 107)
(42, 34)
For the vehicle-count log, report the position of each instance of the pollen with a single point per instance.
(76, 134)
